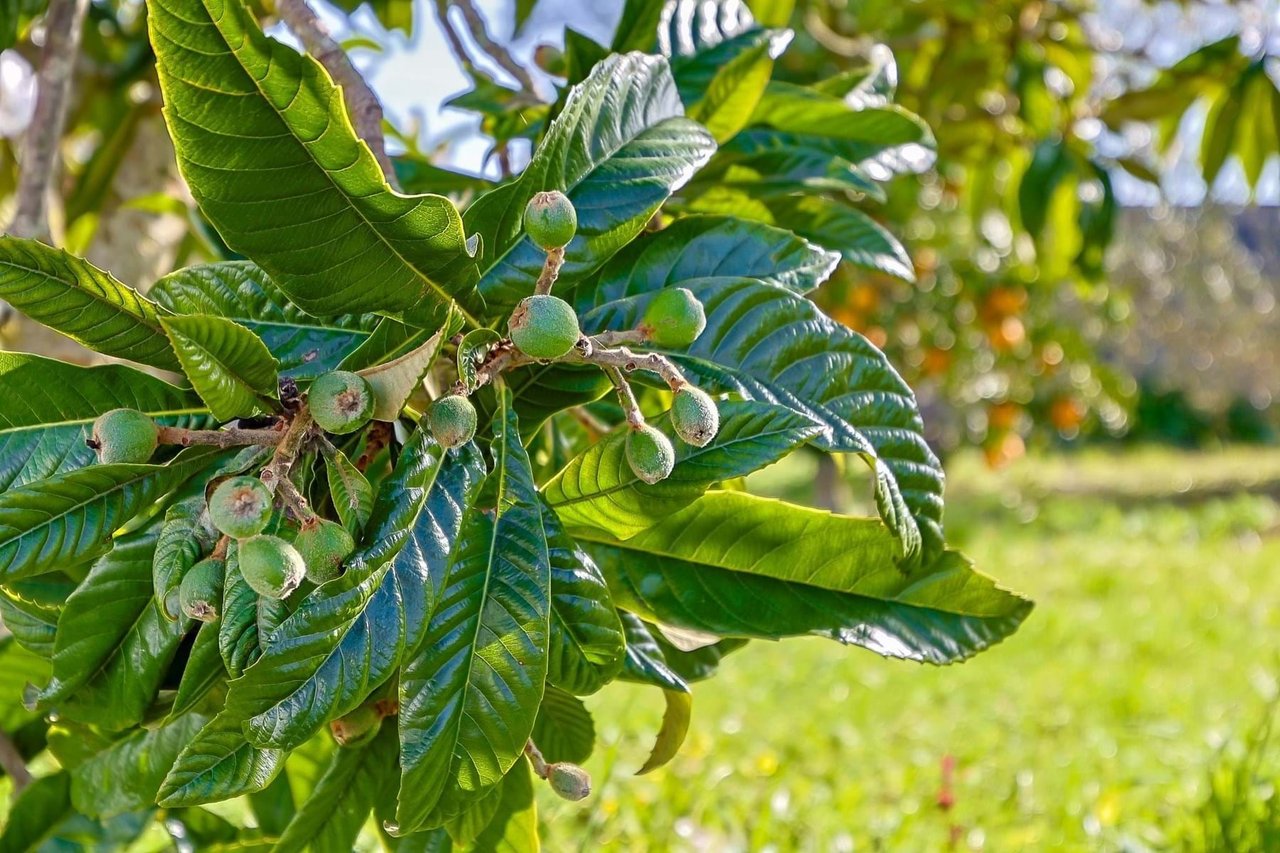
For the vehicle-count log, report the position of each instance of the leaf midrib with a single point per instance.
(307, 149)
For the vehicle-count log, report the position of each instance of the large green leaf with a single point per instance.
(247, 619)
(127, 775)
(84, 303)
(587, 644)
(727, 101)
(47, 409)
(513, 828)
(646, 662)
(564, 730)
(229, 366)
(705, 249)
(688, 28)
(742, 566)
(598, 490)
(35, 812)
(19, 668)
(305, 346)
(350, 491)
(69, 518)
(356, 779)
(469, 696)
(765, 343)
(767, 162)
(796, 109)
(30, 610)
(264, 141)
(349, 635)
(674, 729)
(217, 765)
(860, 239)
(618, 150)
(113, 646)
(203, 671)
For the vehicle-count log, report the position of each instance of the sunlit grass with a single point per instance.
(1157, 577)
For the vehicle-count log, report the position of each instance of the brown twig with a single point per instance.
(277, 471)
(220, 437)
(626, 396)
(13, 764)
(480, 35)
(63, 23)
(613, 339)
(550, 270)
(295, 501)
(362, 104)
(378, 436)
(586, 352)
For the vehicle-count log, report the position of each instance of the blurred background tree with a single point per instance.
(1076, 264)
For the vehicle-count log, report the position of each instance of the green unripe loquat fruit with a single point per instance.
(200, 595)
(694, 415)
(271, 566)
(649, 453)
(124, 435)
(569, 780)
(674, 318)
(240, 507)
(550, 220)
(452, 420)
(341, 401)
(323, 545)
(544, 326)
(358, 727)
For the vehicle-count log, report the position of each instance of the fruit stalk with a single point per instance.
(535, 758)
(626, 396)
(220, 437)
(550, 270)
(287, 449)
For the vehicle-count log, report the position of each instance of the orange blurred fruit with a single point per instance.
(1066, 414)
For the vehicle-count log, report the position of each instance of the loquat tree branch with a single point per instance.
(479, 32)
(12, 763)
(362, 104)
(220, 437)
(63, 24)
(626, 360)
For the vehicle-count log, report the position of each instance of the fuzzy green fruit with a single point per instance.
(452, 420)
(544, 326)
(695, 416)
(323, 545)
(200, 595)
(271, 566)
(569, 780)
(674, 318)
(359, 726)
(240, 507)
(340, 401)
(124, 435)
(650, 454)
(550, 220)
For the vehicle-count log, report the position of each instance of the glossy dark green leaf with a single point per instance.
(348, 636)
(203, 672)
(860, 239)
(30, 610)
(706, 249)
(71, 296)
(350, 491)
(587, 644)
(692, 27)
(618, 150)
(767, 163)
(697, 664)
(229, 366)
(218, 764)
(564, 730)
(113, 646)
(764, 343)
(357, 777)
(514, 825)
(127, 775)
(239, 290)
(247, 619)
(40, 807)
(469, 695)
(645, 662)
(69, 518)
(598, 490)
(638, 26)
(741, 566)
(675, 726)
(297, 191)
(796, 109)
(184, 538)
(47, 409)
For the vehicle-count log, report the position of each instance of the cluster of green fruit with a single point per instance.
(241, 508)
(545, 328)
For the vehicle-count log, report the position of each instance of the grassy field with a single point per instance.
(1155, 641)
